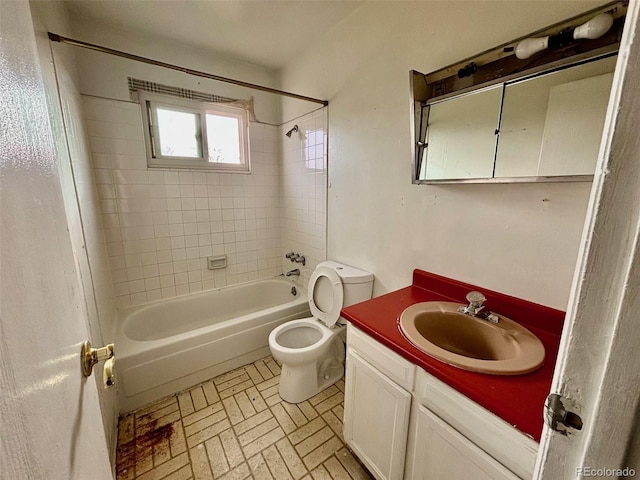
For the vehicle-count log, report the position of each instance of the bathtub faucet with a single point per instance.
(295, 271)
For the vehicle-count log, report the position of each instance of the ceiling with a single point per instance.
(270, 33)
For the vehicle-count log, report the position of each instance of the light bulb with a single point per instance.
(530, 46)
(594, 28)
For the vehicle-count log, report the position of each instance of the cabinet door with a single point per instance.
(438, 451)
(376, 419)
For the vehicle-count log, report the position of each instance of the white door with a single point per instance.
(440, 452)
(51, 426)
(598, 368)
(376, 419)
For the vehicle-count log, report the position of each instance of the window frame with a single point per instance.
(149, 102)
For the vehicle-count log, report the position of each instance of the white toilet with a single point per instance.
(311, 350)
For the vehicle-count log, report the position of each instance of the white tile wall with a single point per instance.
(160, 225)
(304, 190)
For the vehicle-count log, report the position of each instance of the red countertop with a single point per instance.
(517, 399)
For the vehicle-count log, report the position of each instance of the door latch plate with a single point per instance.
(558, 417)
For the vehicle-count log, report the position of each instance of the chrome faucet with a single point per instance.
(476, 307)
(295, 271)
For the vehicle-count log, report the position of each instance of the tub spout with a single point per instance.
(295, 271)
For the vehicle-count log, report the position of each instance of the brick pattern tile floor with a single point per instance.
(236, 426)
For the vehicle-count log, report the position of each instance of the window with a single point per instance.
(183, 133)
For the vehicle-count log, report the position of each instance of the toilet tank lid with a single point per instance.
(348, 274)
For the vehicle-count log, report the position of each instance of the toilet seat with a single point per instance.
(312, 350)
(308, 322)
(331, 315)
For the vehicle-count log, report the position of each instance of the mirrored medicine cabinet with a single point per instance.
(541, 122)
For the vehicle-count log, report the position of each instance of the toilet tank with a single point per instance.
(357, 285)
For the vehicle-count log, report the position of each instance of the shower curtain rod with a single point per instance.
(98, 48)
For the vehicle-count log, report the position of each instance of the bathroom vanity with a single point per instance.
(408, 415)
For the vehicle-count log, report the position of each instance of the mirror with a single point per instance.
(545, 127)
(461, 136)
(551, 125)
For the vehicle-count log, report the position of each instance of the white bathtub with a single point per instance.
(169, 345)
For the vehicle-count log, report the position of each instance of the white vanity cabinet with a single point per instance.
(377, 405)
(438, 451)
(483, 441)
(405, 424)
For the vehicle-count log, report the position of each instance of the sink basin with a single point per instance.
(471, 343)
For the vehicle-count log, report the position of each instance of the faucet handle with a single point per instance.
(476, 298)
(289, 255)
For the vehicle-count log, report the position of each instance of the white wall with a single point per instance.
(518, 239)
(105, 75)
(80, 194)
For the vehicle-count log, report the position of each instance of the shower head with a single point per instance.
(294, 129)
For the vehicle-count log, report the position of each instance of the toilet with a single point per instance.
(311, 350)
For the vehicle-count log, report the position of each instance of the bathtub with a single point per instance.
(166, 346)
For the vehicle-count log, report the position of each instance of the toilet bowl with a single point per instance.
(300, 345)
(311, 350)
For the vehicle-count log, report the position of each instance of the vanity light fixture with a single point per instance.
(594, 28)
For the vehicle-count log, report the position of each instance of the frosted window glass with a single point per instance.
(179, 133)
(223, 137)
